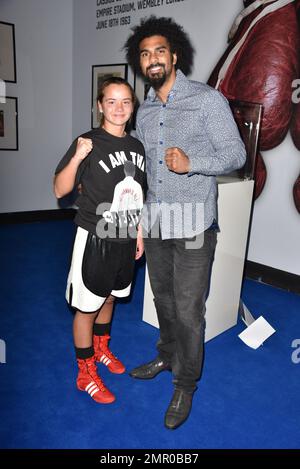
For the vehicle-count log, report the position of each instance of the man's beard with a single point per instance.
(157, 81)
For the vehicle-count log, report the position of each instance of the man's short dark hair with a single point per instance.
(177, 38)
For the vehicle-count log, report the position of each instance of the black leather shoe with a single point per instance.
(179, 409)
(150, 370)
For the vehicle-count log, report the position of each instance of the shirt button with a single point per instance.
(161, 142)
(160, 162)
(161, 123)
(160, 181)
(164, 105)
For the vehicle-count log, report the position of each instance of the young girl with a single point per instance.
(108, 238)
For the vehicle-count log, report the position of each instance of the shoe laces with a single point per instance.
(92, 370)
(104, 347)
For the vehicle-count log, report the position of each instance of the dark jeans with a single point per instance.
(179, 279)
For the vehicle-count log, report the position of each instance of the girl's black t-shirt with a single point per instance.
(113, 180)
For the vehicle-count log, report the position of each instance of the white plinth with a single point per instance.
(234, 208)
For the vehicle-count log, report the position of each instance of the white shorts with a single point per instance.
(77, 294)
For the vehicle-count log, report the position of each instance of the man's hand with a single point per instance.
(83, 148)
(177, 160)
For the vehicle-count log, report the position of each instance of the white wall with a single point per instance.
(206, 21)
(51, 113)
(275, 232)
(43, 31)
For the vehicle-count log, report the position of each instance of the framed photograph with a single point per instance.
(141, 88)
(99, 74)
(9, 124)
(7, 53)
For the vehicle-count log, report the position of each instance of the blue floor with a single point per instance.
(246, 398)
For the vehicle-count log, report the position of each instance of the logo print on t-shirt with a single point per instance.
(127, 203)
(119, 158)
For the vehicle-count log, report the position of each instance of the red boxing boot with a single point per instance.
(105, 356)
(89, 381)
